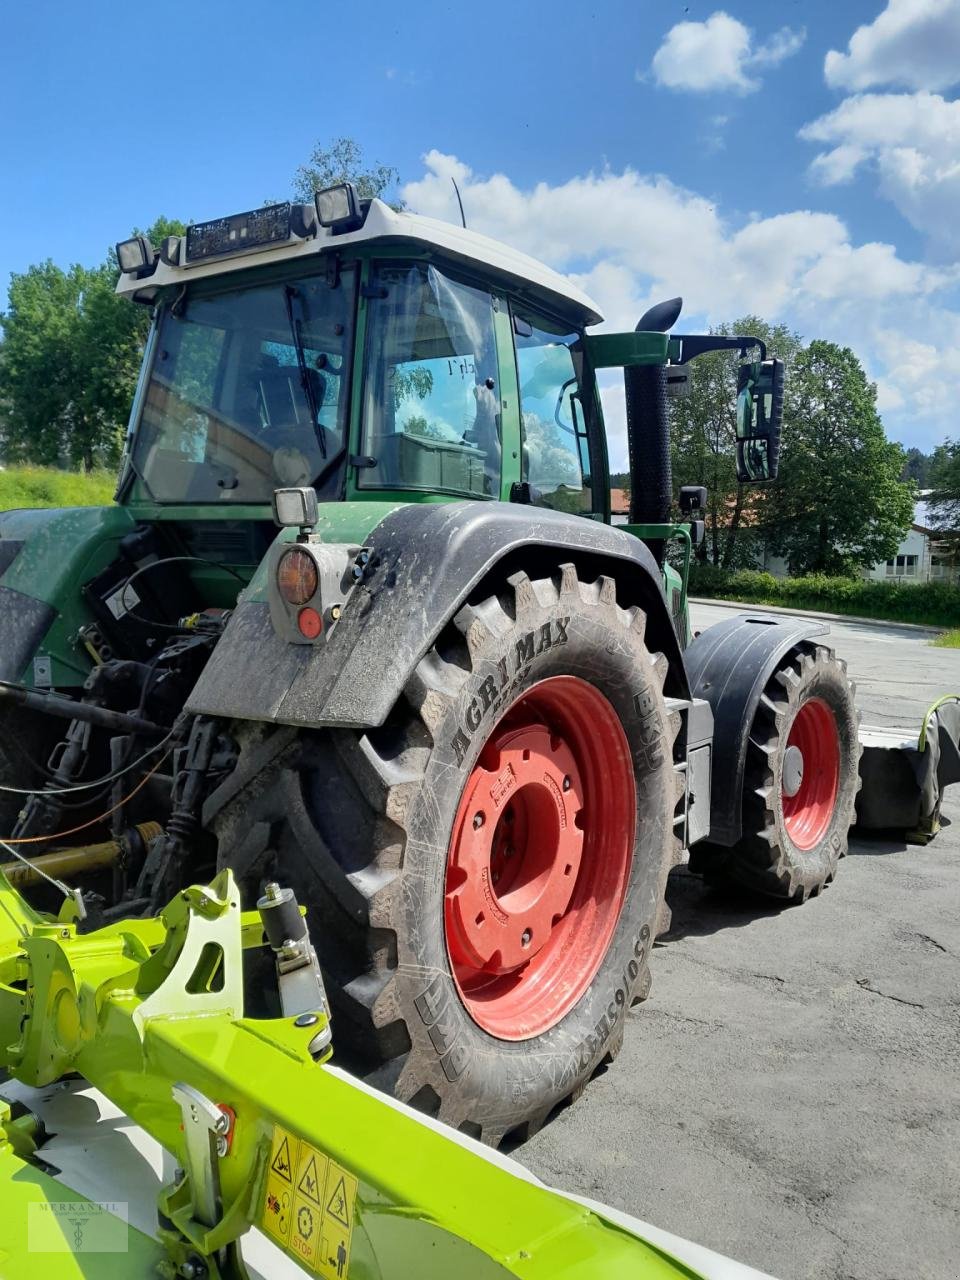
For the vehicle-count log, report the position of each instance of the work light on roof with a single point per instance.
(338, 207)
(134, 255)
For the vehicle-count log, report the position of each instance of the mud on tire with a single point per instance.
(360, 823)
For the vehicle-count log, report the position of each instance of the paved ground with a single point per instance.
(790, 1094)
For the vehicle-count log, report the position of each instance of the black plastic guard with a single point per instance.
(425, 561)
(728, 665)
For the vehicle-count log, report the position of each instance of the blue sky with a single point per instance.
(746, 155)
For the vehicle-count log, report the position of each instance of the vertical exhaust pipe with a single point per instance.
(648, 432)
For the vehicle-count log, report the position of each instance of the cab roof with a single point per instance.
(386, 226)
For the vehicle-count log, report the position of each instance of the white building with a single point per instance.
(917, 558)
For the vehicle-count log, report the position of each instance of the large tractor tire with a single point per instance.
(483, 873)
(801, 781)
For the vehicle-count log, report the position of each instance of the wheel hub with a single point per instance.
(539, 858)
(814, 743)
(792, 770)
(512, 874)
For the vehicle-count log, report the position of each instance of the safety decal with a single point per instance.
(308, 1205)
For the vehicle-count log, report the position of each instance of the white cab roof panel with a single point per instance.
(384, 225)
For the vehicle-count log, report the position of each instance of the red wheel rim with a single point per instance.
(540, 858)
(807, 814)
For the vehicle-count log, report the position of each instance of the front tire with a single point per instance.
(484, 871)
(801, 780)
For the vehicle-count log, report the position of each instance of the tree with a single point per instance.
(839, 503)
(704, 443)
(943, 502)
(69, 361)
(917, 467)
(343, 161)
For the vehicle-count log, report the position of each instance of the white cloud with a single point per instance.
(717, 54)
(631, 239)
(912, 141)
(913, 43)
(869, 271)
(782, 44)
(921, 377)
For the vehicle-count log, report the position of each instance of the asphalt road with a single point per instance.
(790, 1093)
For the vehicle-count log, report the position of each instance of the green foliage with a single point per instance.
(839, 502)
(47, 487)
(69, 361)
(417, 425)
(932, 603)
(413, 381)
(947, 640)
(944, 501)
(343, 161)
(917, 467)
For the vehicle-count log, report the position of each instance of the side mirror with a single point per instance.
(759, 420)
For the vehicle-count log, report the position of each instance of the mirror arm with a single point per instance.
(686, 347)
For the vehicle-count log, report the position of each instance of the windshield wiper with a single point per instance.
(289, 293)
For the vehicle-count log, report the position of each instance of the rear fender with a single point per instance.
(45, 557)
(425, 561)
(728, 665)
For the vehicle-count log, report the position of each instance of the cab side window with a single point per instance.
(555, 447)
(431, 413)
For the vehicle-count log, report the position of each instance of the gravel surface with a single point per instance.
(789, 1094)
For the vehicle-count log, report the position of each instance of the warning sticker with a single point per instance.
(123, 601)
(309, 1205)
(307, 1208)
(339, 1196)
(278, 1199)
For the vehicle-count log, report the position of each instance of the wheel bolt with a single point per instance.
(477, 821)
(567, 784)
(525, 939)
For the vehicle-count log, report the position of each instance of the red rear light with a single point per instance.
(310, 623)
(297, 577)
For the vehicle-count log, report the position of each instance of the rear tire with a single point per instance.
(378, 831)
(801, 780)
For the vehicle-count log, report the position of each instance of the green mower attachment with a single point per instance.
(903, 777)
(340, 1180)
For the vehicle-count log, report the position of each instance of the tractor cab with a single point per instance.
(366, 353)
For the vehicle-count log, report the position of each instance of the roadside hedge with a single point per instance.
(48, 487)
(935, 604)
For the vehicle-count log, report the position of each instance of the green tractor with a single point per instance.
(448, 703)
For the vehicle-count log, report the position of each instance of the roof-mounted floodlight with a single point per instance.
(135, 255)
(338, 208)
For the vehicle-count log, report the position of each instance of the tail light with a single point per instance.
(297, 578)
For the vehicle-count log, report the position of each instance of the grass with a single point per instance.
(934, 604)
(48, 487)
(948, 640)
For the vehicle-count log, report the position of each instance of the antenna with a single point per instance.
(459, 201)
